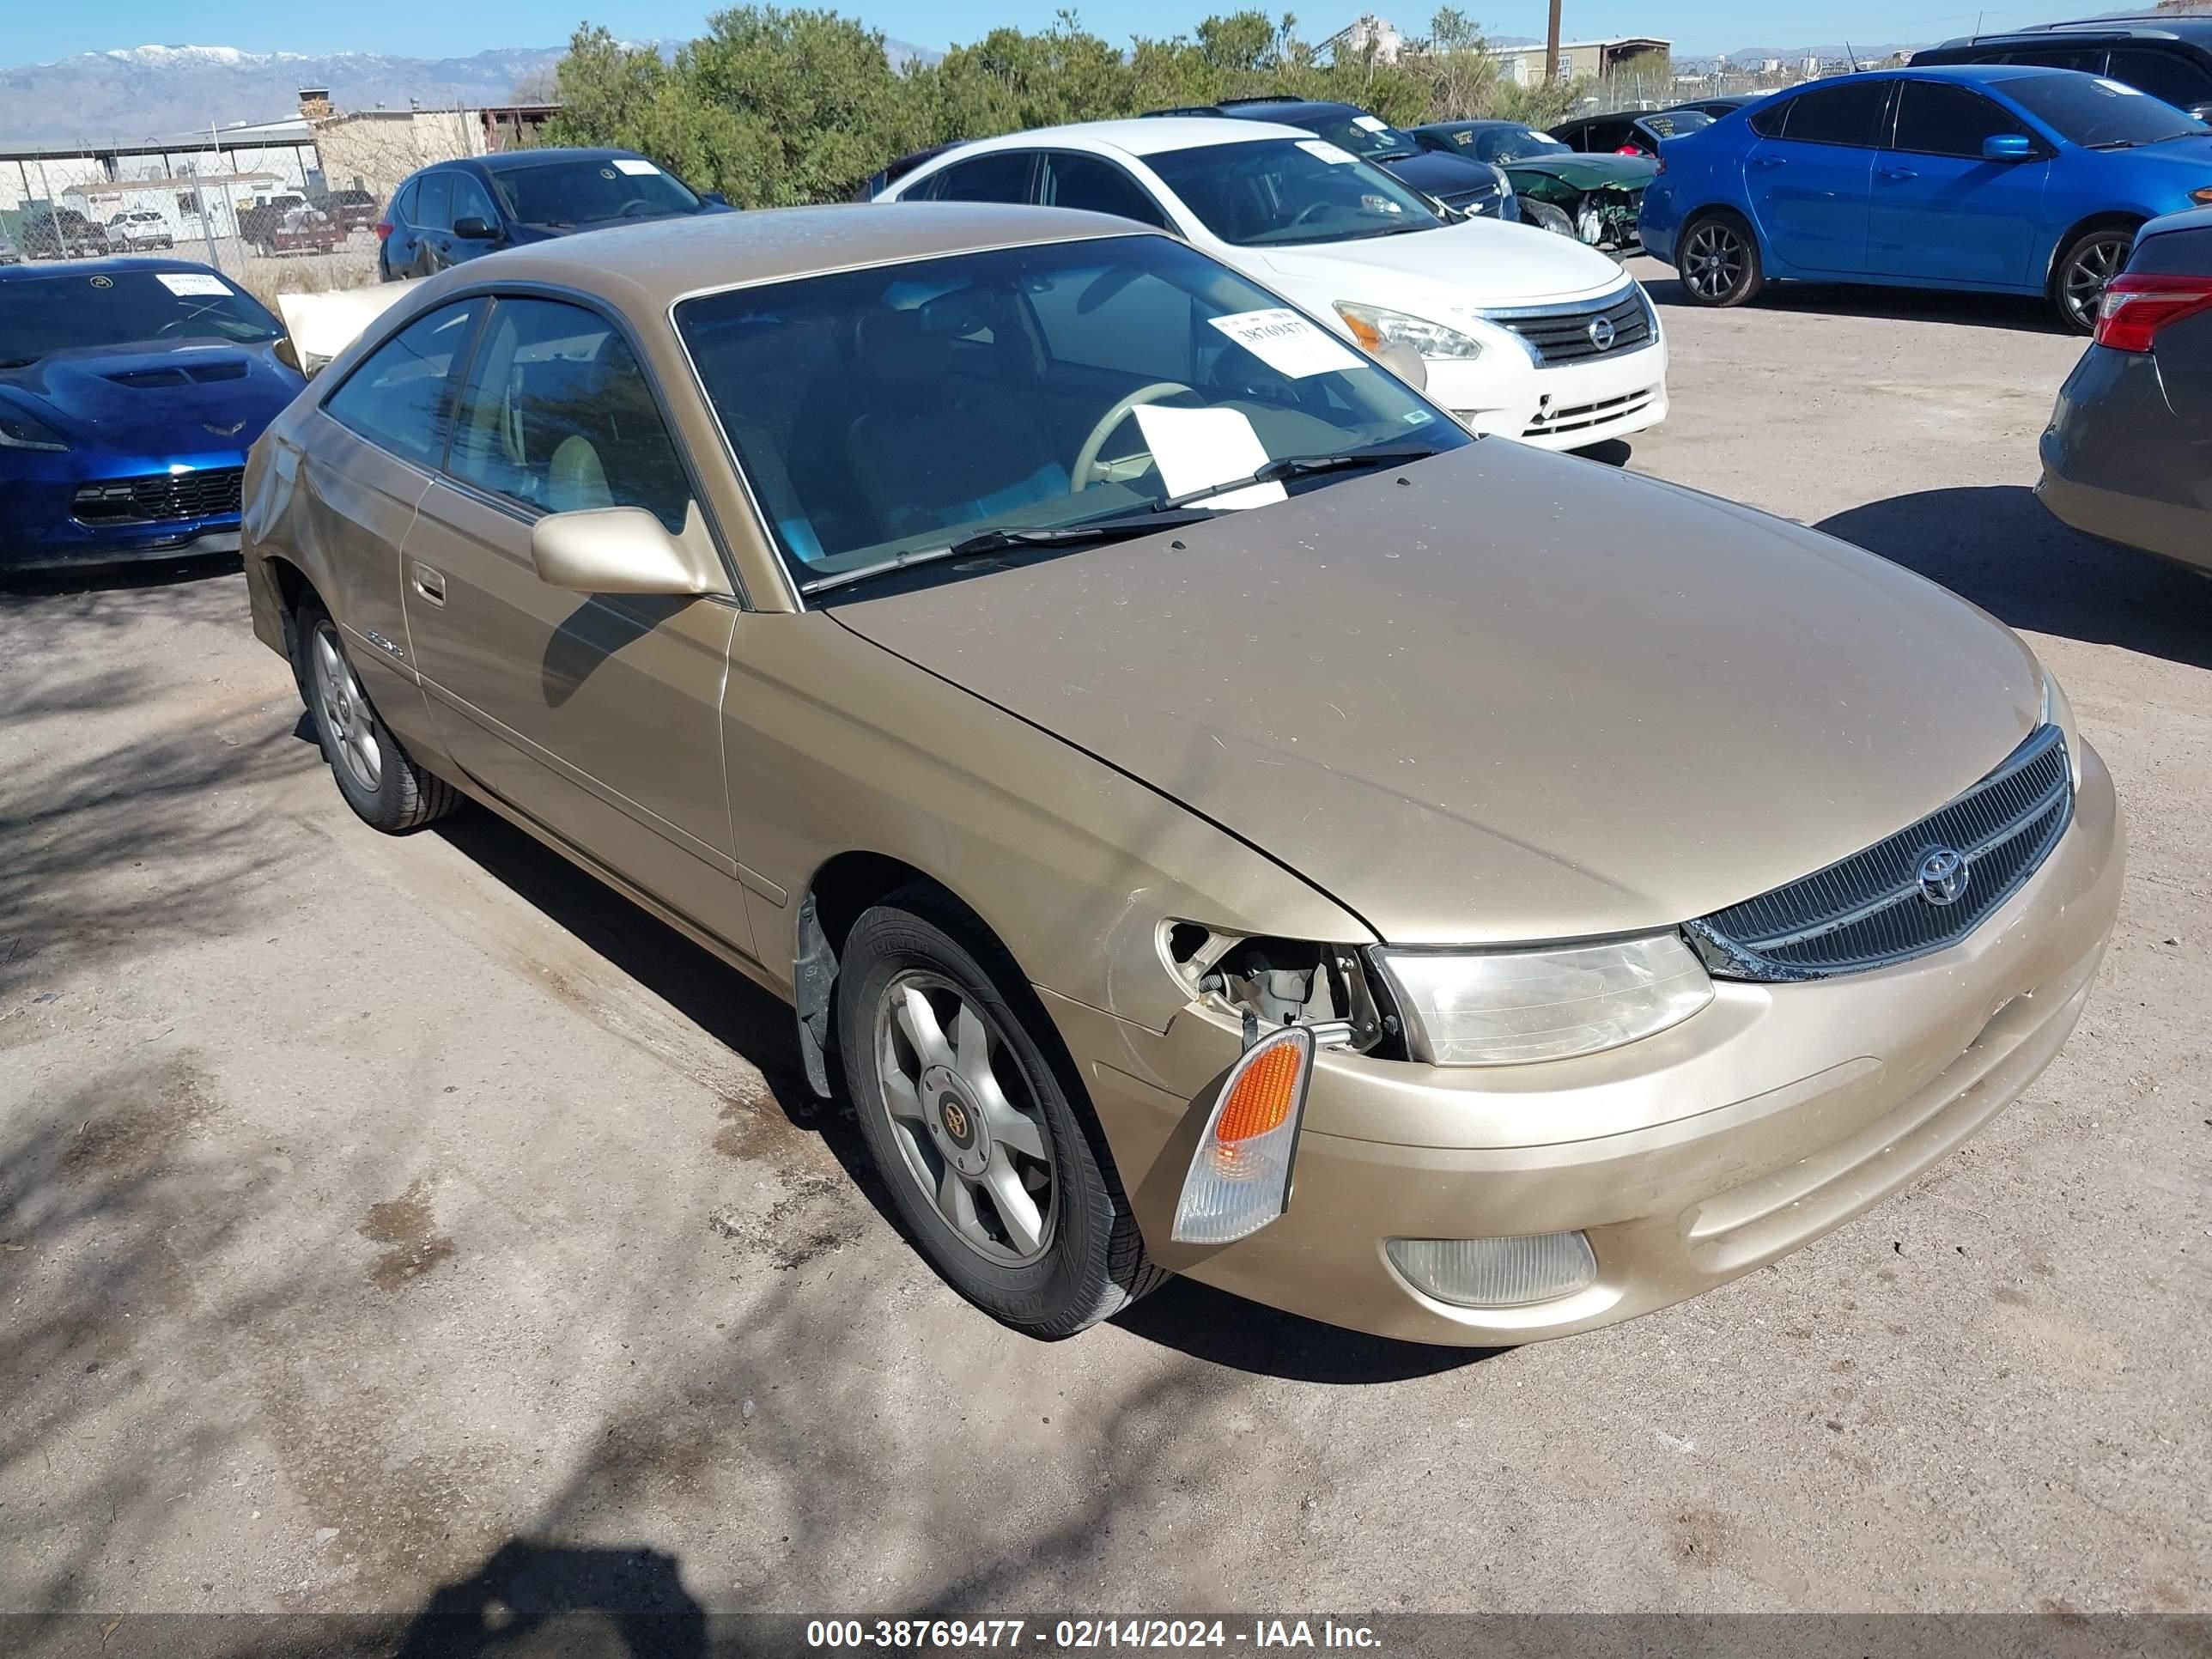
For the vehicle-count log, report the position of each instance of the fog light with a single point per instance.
(1496, 1273)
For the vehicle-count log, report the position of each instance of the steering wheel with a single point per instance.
(1086, 458)
(1317, 210)
(633, 207)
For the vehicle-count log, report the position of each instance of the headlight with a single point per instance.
(1375, 328)
(18, 431)
(1509, 1007)
(2057, 711)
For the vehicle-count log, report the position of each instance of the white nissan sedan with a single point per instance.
(1522, 333)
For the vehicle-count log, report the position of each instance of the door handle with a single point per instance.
(1770, 160)
(1898, 173)
(430, 584)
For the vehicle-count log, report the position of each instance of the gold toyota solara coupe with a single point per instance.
(1210, 814)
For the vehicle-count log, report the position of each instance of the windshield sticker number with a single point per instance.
(1197, 448)
(1322, 149)
(635, 169)
(1380, 204)
(1370, 124)
(1287, 343)
(190, 282)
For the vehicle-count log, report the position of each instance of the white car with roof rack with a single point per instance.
(1522, 333)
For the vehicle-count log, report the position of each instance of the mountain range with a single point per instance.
(140, 93)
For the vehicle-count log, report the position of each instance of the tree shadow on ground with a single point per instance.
(1997, 546)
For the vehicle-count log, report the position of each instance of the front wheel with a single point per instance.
(378, 777)
(1717, 259)
(2089, 262)
(995, 1162)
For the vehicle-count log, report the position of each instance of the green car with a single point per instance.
(1593, 198)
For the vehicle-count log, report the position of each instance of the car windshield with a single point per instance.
(2096, 113)
(1280, 192)
(1512, 143)
(42, 314)
(897, 411)
(590, 190)
(1368, 136)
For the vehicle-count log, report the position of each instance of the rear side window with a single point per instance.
(434, 202)
(2173, 253)
(1850, 114)
(1097, 186)
(402, 204)
(2085, 60)
(1936, 118)
(558, 417)
(2164, 74)
(399, 397)
(1002, 176)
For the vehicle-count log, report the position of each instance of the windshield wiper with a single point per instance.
(1088, 532)
(17, 362)
(2115, 144)
(1305, 466)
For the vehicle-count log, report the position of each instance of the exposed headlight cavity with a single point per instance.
(1513, 1008)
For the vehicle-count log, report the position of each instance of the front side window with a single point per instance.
(564, 194)
(1097, 186)
(1935, 117)
(469, 201)
(1850, 114)
(902, 409)
(1273, 192)
(557, 417)
(2100, 113)
(399, 397)
(1002, 176)
(42, 314)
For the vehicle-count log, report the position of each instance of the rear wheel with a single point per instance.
(378, 777)
(1718, 260)
(2088, 263)
(977, 1124)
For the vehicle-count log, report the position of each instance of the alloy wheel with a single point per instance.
(977, 1147)
(1713, 265)
(2094, 263)
(340, 701)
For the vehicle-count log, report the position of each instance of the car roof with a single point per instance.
(1251, 109)
(659, 260)
(115, 265)
(501, 159)
(1970, 74)
(2197, 31)
(1142, 135)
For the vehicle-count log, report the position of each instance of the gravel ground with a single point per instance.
(370, 1207)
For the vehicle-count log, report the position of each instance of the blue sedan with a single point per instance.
(1999, 179)
(130, 392)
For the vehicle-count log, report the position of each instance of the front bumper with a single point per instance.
(1689, 1158)
(1566, 406)
(40, 531)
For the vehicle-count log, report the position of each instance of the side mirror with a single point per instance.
(473, 229)
(1403, 361)
(620, 549)
(2008, 146)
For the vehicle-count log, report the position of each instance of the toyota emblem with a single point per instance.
(1600, 333)
(1944, 874)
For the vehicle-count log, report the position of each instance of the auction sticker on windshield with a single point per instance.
(1287, 343)
(190, 282)
(635, 169)
(1323, 150)
(1370, 124)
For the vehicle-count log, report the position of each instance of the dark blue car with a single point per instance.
(130, 392)
(2000, 178)
(459, 210)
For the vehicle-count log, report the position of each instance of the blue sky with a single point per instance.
(438, 28)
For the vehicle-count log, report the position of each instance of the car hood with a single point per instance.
(1439, 174)
(1590, 172)
(1477, 263)
(157, 399)
(1516, 695)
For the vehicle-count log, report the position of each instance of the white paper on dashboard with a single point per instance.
(1286, 342)
(1370, 124)
(1327, 152)
(1197, 448)
(190, 282)
(634, 168)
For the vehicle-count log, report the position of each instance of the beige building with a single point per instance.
(1627, 57)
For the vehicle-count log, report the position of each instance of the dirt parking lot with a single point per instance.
(371, 1210)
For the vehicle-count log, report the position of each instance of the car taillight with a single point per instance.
(384, 230)
(1662, 167)
(2136, 305)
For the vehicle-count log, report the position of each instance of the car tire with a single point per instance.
(2083, 267)
(981, 1057)
(380, 780)
(1716, 258)
(1544, 216)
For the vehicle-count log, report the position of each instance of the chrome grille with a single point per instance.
(1568, 334)
(158, 497)
(1869, 910)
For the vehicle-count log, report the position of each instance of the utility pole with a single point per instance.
(1552, 45)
